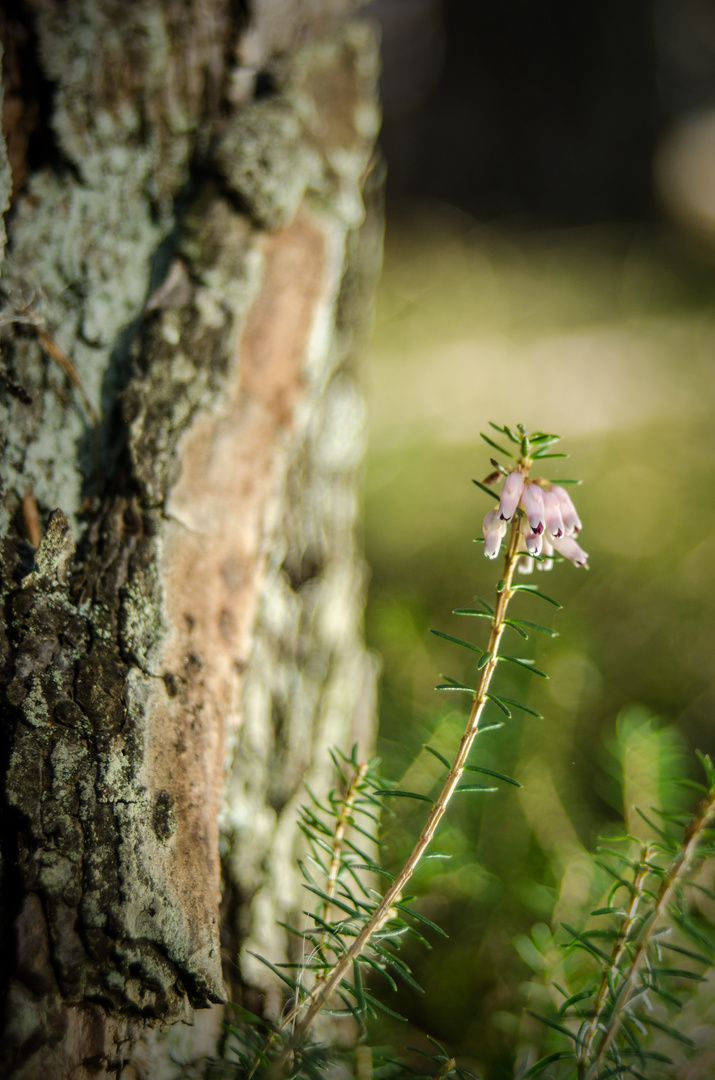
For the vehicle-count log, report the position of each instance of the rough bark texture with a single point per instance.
(185, 642)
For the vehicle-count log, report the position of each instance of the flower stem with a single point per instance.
(680, 866)
(339, 834)
(321, 992)
(610, 971)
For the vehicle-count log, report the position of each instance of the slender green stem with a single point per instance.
(342, 821)
(320, 994)
(339, 835)
(628, 923)
(680, 866)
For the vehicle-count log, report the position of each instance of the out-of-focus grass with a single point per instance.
(607, 338)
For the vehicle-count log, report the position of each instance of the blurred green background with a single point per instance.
(550, 261)
(606, 336)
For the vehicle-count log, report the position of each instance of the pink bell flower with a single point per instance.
(531, 540)
(493, 528)
(533, 502)
(552, 514)
(567, 546)
(571, 520)
(510, 495)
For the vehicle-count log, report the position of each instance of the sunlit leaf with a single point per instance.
(500, 704)
(283, 977)
(457, 641)
(708, 767)
(436, 753)
(383, 1008)
(380, 968)
(357, 982)
(540, 436)
(700, 957)
(495, 446)
(493, 726)
(652, 824)
(492, 494)
(532, 626)
(353, 912)
(455, 689)
(645, 1018)
(621, 880)
(421, 918)
(584, 942)
(386, 794)
(374, 869)
(574, 999)
(504, 431)
(664, 994)
(457, 684)
(560, 1055)
(527, 664)
(534, 591)
(679, 973)
(493, 772)
(555, 1025)
(519, 705)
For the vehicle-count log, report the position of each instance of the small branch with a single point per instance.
(678, 869)
(624, 936)
(338, 836)
(322, 992)
(342, 822)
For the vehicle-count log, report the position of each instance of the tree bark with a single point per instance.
(186, 280)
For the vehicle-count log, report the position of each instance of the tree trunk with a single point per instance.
(185, 287)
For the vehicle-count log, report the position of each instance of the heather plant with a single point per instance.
(607, 1013)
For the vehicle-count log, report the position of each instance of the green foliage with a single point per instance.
(613, 977)
(644, 949)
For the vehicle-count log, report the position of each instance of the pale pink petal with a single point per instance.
(533, 503)
(533, 543)
(552, 514)
(510, 495)
(492, 543)
(571, 520)
(567, 546)
(493, 529)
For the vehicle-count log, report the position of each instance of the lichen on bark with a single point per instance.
(196, 597)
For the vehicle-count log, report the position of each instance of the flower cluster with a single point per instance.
(549, 522)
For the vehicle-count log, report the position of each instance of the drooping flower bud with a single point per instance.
(493, 529)
(533, 543)
(567, 546)
(552, 514)
(510, 495)
(571, 520)
(533, 503)
(529, 539)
